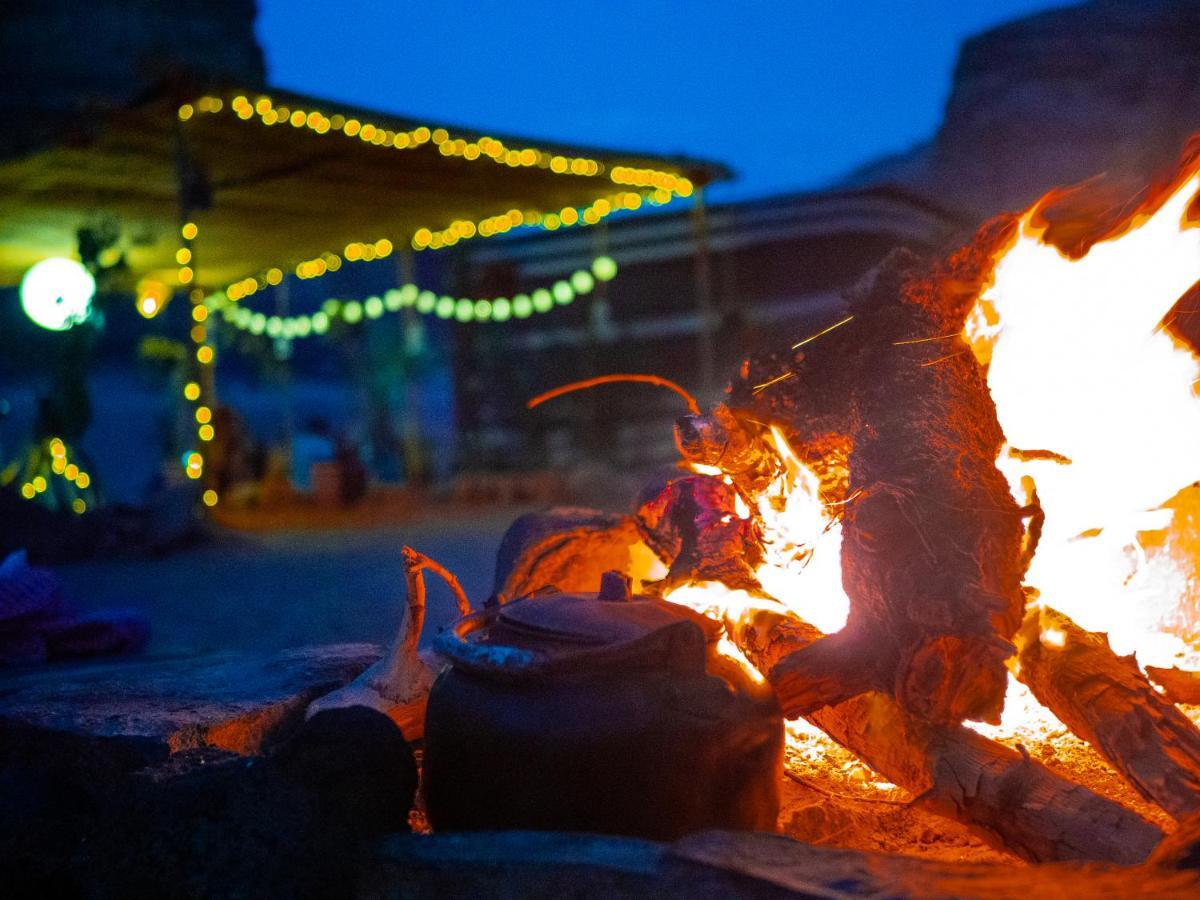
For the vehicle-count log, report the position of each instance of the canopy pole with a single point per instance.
(702, 279)
(414, 460)
(283, 307)
(204, 360)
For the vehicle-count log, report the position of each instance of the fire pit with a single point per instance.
(948, 529)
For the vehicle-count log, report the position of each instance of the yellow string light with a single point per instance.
(60, 466)
(205, 354)
(480, 148)
(656, 185)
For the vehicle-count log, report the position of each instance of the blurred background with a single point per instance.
(322, 255)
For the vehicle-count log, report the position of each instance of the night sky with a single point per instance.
(792, 93)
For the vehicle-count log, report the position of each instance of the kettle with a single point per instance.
(605, 712)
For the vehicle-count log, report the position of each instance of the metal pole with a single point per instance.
(702, 276)
(414, 462)
(283, 310)
(598, 437)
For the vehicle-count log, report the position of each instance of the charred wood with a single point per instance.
(693, 522)
(1012, 801)
(567, 548)
(724, 441)
(1180, 685)
(932, 539)
(1107, 701)
(1181, 848)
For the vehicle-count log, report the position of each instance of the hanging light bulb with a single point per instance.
(57, 293)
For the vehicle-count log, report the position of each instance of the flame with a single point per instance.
(802, 555)
(1083, 372)
(724, 604)
(1078, 364)
(802, 543)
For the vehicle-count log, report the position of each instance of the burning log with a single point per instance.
(1179, 685)
(1012, 801)
(567, 548)
(693, 522)
(722, 441)
(1181, 848)
(931, 536)
(1106, 700)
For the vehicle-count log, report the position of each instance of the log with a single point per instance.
(931, 536)
(1107, 701)
(692, 521)
(821, 872)
(1180, 685)
(1181, 848)
(721, 440)
(567, 548)
(1011, 801)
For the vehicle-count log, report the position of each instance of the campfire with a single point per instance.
(956, 531)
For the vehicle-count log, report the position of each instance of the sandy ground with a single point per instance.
(242, 591)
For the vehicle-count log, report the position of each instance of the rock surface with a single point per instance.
(1106, 87)
(224, 701)
(721, 864)
(80, 817)
(62, 61)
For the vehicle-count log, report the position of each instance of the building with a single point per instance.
(696, 291)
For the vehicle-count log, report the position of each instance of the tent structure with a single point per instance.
(274, 180)
(229, 192)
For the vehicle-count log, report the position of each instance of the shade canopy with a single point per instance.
(274, 180)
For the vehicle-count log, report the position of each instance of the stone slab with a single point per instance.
(234, 702)
(724, 864)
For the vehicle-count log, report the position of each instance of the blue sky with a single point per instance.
(791, 93)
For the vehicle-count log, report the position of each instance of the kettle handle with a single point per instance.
(415, 564)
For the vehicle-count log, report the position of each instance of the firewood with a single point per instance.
(821, 872)
(931, 536)
(1179, 685)
(1012, 801)
(736, 446)
(398, 684)
(1107, 701)
(693, 522)
(1181, 848)
(567, 548)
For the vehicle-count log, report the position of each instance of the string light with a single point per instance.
(428, 239)
(52, 458)
(465, 309)
(656, 186)
(152, 296)
(193, 392)
(484, 149)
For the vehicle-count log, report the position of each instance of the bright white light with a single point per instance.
(57, 293)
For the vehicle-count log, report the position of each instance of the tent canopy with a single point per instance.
(277, 178)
